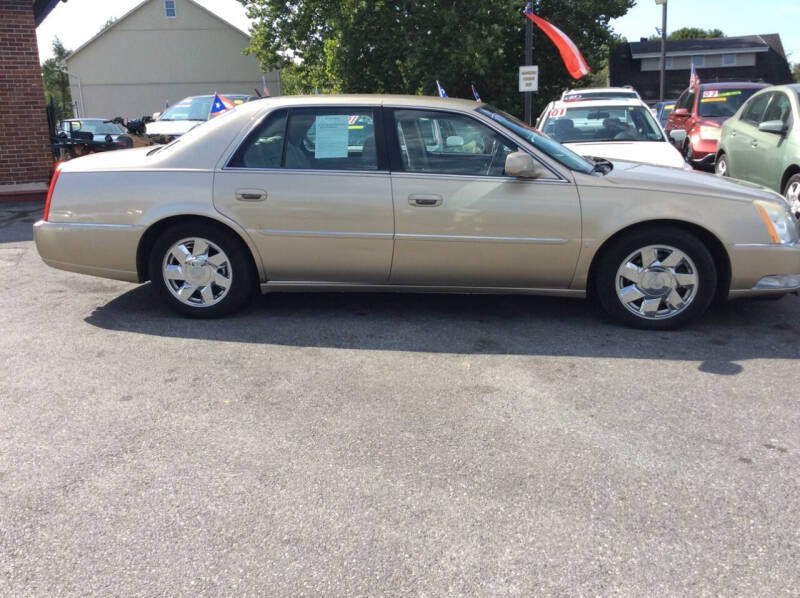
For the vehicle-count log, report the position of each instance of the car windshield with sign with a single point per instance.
(723, 102)
(602, 123)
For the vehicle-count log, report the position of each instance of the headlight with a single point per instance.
(712, 133)
(781, 225)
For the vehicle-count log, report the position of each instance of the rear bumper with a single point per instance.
(106, 250)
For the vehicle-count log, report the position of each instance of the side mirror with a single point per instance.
(772, 126)
(521, 165)
(680, 112)
(156, 115)
(677, 136)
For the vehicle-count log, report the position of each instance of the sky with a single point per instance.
(78, 20)
(733, 17)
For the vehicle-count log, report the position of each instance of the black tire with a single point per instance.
(794, 204)
(614, 257)
(721, 166)
(688, 154)
(238, 266)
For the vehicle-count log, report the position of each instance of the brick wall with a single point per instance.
(25, 155)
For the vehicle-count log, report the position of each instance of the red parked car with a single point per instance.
(696, 122)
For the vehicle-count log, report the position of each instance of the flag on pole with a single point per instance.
(475, 93)
(442, 92)
(166, 105)
(694, 80)
(572, 57)
(219, 105)
(265, 89)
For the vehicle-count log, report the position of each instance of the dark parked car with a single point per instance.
(79, 136)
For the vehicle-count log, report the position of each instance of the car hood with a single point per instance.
(171, 127)
(634, 175)
(650, 152)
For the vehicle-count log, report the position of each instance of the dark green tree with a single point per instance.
(796, 72)
(690, 33)
(404, 46)
(56, 81)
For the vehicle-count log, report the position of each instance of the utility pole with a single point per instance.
(663, 4)
(529, 62)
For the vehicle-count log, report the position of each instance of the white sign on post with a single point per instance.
(529, 78)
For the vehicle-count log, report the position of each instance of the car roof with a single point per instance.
(612, 103)
(734, 85)
(368, 100)
(598, 90)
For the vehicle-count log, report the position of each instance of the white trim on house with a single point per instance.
(750, 50)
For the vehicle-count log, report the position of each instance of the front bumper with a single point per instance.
(761, 269)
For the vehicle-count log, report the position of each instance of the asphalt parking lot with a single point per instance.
(371, 444)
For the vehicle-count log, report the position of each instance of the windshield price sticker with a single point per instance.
(711, 93)
(558, 112)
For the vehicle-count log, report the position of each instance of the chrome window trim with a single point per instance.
(521, 143)
(484, 177)
(99, 225)
(296, 171)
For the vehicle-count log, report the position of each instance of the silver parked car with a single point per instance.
(411, 193)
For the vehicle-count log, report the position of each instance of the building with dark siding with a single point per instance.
(744, 58)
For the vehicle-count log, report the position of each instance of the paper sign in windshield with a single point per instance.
(331, 136)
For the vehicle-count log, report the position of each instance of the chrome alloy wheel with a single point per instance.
(793, 196)
(657, 282)
(197, 272)
(721, 166)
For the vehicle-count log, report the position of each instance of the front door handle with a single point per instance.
(423, 200)
(251, 194)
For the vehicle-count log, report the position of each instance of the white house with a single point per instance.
(159, 52)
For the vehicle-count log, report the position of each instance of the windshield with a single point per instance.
(541, 142)
(197, 108)
(602, 123)
(97, 127)
(723, 102)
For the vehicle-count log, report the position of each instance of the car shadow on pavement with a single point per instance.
(471, 324)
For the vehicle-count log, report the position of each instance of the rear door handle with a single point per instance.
(251, 194)
(423, 200)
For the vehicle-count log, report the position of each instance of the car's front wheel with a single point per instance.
(656, 278)
(201, 271)
(792, 193)
(721, 165)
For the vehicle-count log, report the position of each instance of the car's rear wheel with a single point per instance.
(201, 271)
(792, 193)
(656, 278)
(721, 166)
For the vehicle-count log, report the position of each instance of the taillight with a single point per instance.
(53, 180)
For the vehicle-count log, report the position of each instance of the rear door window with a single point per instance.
(312, 139)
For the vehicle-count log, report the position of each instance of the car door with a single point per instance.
(460, 221)
(309, 187)
(766, 159)
(743, 145)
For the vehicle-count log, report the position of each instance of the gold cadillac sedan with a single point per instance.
(409, 193)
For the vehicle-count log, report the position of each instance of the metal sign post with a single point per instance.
(663, 4)
(528, 61)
